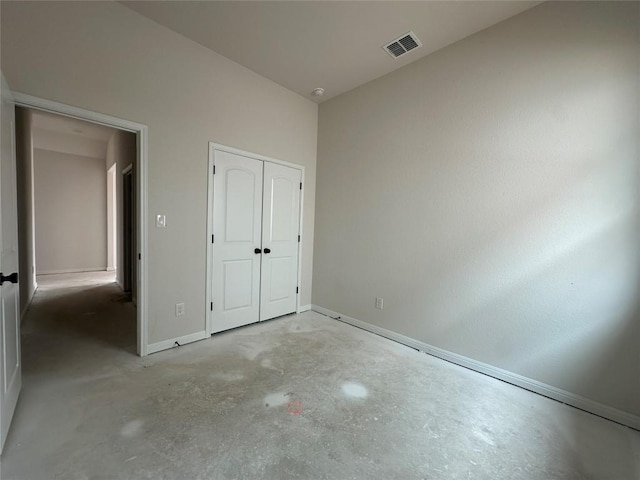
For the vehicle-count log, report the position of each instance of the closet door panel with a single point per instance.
(280, 230)
(237, 213)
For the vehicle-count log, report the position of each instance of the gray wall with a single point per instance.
(26, 239)
(70, 212)
(489, 193)
(104, 57)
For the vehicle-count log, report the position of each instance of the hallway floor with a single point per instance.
(302, 397)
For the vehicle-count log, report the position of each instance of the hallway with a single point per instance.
(79, 310)
(79, 328)
(302, 397)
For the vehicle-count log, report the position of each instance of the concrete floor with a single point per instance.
(298, 397)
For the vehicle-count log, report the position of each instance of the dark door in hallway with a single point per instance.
(128, 247)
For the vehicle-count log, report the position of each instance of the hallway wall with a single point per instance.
(70, 212)
(121, 151)
(26, 227)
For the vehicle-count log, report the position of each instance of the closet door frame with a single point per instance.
(213, 147)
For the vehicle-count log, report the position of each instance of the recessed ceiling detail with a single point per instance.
(402, 45)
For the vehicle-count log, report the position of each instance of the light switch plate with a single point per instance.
(161, 221)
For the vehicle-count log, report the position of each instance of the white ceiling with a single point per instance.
(69, 135)
(336, 45)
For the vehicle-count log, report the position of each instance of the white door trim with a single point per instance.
(141, 131)
(112, 219)
(256, 156)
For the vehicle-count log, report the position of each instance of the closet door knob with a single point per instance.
(267, 250)
(13, 278)
(257, 250)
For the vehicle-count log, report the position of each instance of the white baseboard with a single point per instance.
(305, 308)
(554, 393)
(72, 270)
(166, 344)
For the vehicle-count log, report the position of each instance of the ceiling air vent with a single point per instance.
(402, 45)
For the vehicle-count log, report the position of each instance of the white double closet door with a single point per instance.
(256, 227)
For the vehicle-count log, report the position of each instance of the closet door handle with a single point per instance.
(13, 278)
(257, 250)
(267, 250)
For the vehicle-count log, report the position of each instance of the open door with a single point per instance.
(10, 362)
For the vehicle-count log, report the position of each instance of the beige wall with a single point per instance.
(489, 193)
(26, 238)
(70, 212)
(104, 57)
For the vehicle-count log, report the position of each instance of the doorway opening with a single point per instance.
(82, 210)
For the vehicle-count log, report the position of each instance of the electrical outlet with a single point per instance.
(379, 303)
(179, 309)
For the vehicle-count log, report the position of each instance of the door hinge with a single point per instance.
(211, 238)
(139, 256)
(300, 185)
(296, 289)
(298, 238)
(214, 169)
(212, 306)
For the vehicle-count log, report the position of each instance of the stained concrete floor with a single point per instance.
(303, 397)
